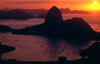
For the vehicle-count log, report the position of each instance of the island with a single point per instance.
(54, 25)
(68, 11)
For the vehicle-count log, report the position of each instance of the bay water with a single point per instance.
(44, 48)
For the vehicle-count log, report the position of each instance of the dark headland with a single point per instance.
(4, 29)
(5, 49)
(54, 25)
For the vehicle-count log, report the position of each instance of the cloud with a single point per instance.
(42, 1)
(31, 2)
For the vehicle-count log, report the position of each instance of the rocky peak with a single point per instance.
(54, 16)
(67, 9)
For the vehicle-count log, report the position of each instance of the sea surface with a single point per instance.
(43, 48)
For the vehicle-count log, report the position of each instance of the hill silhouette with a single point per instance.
(6, 9)
(55, 26)
(5, 28)
(44, 11)
(15, 14)
(68, 11)
(63, 11)
(92, 53)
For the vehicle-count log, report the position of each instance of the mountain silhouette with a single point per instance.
(55, 26)
(6, 9)
(44, 11)
(15, 14)
(63, 11)
(68, 11)
(54, 16)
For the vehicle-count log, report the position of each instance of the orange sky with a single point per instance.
(87, 5)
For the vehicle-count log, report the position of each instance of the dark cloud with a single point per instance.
(31, 2)
(38, 2)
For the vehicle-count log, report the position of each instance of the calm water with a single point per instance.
(40, 48)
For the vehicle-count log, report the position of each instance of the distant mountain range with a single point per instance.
(24, 14)
(15, 14)
(44, 11)
(68, 11)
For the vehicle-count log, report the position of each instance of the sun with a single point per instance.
(95, 2)
(93, 6)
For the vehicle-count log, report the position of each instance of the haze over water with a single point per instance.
(42, 48)
(92, 19)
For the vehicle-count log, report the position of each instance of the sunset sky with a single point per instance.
(87, 5)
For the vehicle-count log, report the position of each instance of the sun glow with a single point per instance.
(94, 6)
(95, 2)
